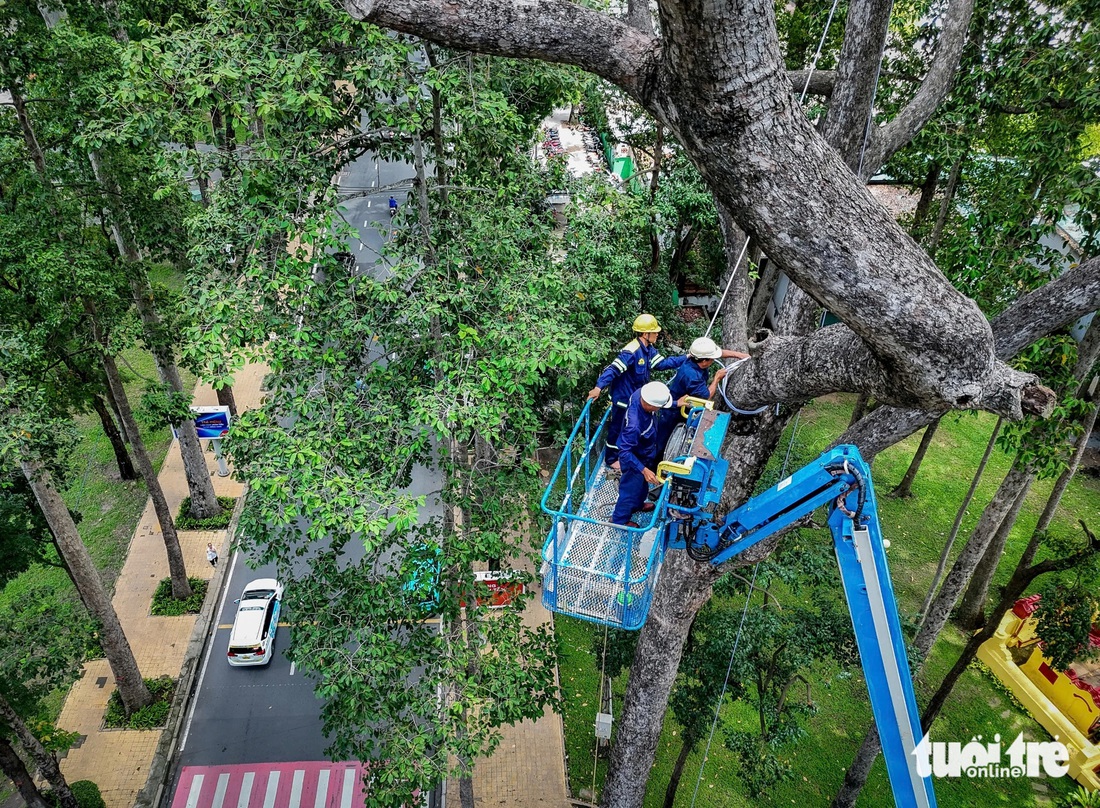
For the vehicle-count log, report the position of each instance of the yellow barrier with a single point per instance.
(1043, 692)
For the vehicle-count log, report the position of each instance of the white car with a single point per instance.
(252, 641)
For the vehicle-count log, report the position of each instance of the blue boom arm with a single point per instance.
(841, 480)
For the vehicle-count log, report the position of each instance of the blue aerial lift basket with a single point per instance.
(591, 568)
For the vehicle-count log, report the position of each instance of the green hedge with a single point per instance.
(85, 791)
(152, 716)
(164, 605)
(184, 520)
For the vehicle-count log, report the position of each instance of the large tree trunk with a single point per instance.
(12, 766)
(684, 587)
(131, 686)
(126, 469)
(204, 503)
(904, 489)
(43, 759)
(181, 588)
(971, 612)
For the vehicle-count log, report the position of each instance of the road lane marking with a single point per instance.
(246, 790)
(272, 789)
(296, 789)
(206, 661)
(219, 793)
(322, 789)
(196, 790)
(349, 787)
(292, 666)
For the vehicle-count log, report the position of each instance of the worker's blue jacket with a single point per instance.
(690, 380)
(630, 369)
(638, 440)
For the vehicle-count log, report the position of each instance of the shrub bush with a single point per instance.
(85, 791)
(87, 794)
(164, 605)
(184, 520)
(152, 716)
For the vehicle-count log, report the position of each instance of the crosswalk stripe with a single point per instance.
(349, 787)
(322, 789)
(296, 789)
(246, 790)
(196, 790)
(272, 789)
(219, 792)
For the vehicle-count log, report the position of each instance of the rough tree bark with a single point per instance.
(904, 489)
(131, 686)
(43, 759)
(1073, 294)
(12, 766)
(126, 469)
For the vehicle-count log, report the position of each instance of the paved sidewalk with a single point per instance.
(528, 768)
(119, 760)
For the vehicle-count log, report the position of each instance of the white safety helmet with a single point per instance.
(657, 394)
(705, 348)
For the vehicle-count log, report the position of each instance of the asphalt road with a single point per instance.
(269, 714)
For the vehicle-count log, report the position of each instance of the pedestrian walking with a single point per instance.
(212, 555)
(628, 372)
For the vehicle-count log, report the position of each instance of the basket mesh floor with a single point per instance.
(600, 568)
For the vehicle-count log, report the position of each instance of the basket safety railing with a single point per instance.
(594, 569)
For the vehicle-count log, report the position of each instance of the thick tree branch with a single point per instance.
(1070, 296)
(718, 82)
(822, 82)
(890, 137)
(793, 369)
(638, 16)
(539, 29)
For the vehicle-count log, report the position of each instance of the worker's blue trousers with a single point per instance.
(632, 494)
(614, 429)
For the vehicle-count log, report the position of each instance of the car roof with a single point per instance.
(262, 583)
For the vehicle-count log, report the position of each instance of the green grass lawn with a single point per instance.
(917, 529)
(109, 507)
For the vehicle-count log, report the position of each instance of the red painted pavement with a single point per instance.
(272, 785)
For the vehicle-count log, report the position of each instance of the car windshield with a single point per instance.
(258, 594)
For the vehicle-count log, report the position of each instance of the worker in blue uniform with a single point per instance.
(638, 451)
(691, 379)
(627, 373)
